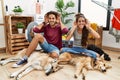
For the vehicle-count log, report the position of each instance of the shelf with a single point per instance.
(15, 41)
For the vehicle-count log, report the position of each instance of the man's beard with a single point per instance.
(52, 23)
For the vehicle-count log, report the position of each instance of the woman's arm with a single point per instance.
(92, 31)
(70, 33)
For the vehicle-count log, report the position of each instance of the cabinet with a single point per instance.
(15, 41)
(97, 42)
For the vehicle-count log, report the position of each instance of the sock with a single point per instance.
(25, 57)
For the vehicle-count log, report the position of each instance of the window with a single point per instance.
(95, 13)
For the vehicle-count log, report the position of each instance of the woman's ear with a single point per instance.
(86, 20)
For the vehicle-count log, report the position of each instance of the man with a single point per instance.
(51, 41)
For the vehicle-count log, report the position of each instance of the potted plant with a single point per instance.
(20, 27)
(17, 10)
(62, 9)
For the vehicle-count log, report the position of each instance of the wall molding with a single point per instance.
(111, 48)
(2, 50)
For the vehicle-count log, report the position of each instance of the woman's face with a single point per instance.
(81, 22)
(52, 19)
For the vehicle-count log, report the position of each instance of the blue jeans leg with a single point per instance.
(78, 50)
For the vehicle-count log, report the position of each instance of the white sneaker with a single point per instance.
(19, 63)
(15, 65)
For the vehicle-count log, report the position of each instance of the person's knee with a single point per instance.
(39, 37)
(63, 50)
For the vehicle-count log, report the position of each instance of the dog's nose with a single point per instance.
(47, 73)
(104, 70)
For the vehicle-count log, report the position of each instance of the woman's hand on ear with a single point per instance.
(74, 24)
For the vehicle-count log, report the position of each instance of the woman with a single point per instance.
(79, 32)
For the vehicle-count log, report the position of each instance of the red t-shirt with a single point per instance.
(52, 35)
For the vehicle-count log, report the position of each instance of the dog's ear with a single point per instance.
(102, 56)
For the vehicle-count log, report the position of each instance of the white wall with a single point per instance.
(29, 8)
(29, 5)
(2, 37)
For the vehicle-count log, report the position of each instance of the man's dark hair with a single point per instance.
(54, 13)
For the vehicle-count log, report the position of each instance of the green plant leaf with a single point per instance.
(17, 9)
(20, 25)
(69, 4)
(61, 7)
(68, 21)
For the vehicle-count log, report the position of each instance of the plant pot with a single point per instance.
(18, 13)
(20, 30)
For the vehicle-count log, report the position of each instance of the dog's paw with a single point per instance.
(19, 77)
(2, 63)
(75, 76)
(13, 75)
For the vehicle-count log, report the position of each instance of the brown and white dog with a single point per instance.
(83, 63)
(42, 61)
(36, 61)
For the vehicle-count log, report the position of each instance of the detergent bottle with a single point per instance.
(38, 7)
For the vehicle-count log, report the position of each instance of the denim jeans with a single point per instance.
(79, 50)
(49, 47)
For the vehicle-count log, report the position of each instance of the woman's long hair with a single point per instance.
(84, 30)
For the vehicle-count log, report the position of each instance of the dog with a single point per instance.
(83, 63)
(99, 51)
(36, 61)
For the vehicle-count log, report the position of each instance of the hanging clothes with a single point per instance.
(115, 23)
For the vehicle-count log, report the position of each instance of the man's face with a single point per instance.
(52, 19)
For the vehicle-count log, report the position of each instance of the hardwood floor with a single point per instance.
(67, 72)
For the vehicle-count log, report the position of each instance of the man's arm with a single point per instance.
(37, 29)
(63, 27)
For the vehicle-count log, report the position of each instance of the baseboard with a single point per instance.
(2, 50)
(111, 48)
